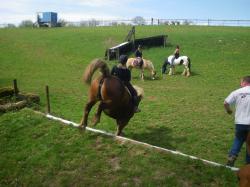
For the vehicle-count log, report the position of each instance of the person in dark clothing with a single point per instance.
(124, 74)
(138, 55)
(138, 52)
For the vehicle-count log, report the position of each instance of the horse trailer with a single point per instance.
(46, 19)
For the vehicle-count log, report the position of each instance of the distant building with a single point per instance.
(46, 19)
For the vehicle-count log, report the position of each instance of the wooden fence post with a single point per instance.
(15, 87)
(47, 98)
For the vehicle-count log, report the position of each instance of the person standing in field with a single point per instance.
(241, 99)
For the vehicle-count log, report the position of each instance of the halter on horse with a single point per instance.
(115, 100)
(182, 60)
(147, 64)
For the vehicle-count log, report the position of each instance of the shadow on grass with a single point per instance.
(146, 78)
(178, 73)
(160, 136)
(193, 73)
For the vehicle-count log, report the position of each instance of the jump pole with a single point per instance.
(141, 143)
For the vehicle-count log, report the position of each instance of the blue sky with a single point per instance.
(14, 11)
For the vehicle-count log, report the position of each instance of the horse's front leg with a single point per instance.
(84, 121)
(170, 71)
(153, 74)
(98, 114)
(142, 74)
(184, 71)
(120, 125)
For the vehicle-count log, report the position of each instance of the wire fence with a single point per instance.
(152, 21)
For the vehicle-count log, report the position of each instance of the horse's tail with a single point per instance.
(189, 64)
(92, 67)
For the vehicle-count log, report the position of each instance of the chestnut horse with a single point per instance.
(115, 99)
(147, 64)
(244, 176)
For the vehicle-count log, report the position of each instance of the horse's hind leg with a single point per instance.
(88, 106)
(142, 75)
(174, 70)
(98, 114)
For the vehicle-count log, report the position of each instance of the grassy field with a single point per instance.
(178, 113)
(38, 152)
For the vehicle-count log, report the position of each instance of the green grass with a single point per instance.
(184, 114)
(38, 152)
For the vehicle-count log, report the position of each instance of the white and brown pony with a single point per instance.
(147, 64)
(182, 60)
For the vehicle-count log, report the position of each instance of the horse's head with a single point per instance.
(153, 73)
(165, 66)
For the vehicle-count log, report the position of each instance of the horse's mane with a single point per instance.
(92, 67)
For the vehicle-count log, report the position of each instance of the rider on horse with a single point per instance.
(138, 55)
(124, 74)
(176, 54)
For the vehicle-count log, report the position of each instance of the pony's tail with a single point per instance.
(92, 67)
(189, 64)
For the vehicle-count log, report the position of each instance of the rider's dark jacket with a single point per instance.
(138, 53)
(124, 75)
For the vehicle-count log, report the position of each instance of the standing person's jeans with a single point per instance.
(241, 132)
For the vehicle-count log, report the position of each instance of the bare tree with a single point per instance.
(138, 20)
(187, 22)
(93, 22)
(61, 23)
(10, 25)
(26, 23)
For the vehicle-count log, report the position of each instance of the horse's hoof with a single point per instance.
(119, 134)
(82, 128)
